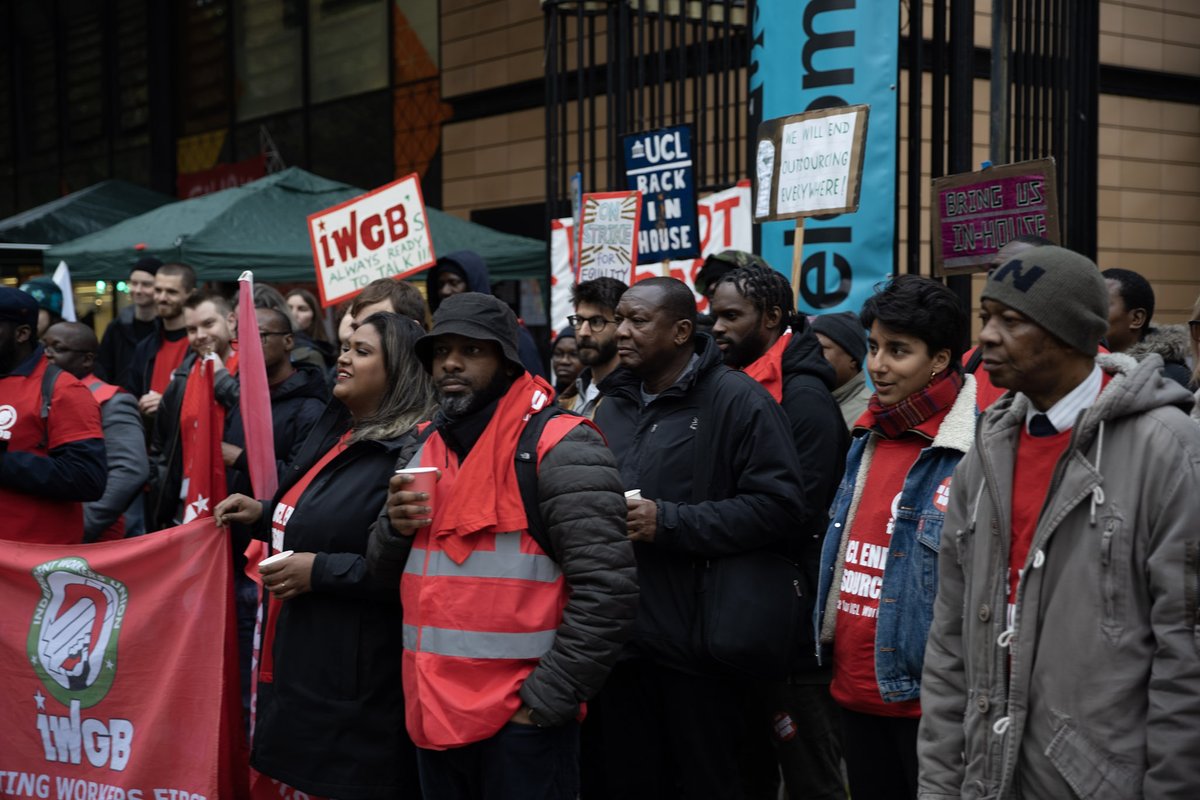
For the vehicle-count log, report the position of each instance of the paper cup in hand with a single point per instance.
(424, 480)
(633, 494)
(266, 562)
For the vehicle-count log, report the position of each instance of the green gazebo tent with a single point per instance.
(262, 226)
(80, 213)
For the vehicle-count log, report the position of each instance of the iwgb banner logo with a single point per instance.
(117, 661)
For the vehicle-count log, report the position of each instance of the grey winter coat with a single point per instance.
(1104, 696)
(581, 503)
(128, 466)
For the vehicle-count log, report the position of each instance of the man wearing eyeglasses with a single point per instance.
(72, 347)
(596, 337)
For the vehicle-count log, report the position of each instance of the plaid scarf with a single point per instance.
(892, 421)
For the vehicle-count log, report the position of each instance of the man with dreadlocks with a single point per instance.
(758, 331)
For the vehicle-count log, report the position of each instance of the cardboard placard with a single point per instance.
(608, 235)
(809, 164)
(977, 213)
(381, 234)
(659, 165)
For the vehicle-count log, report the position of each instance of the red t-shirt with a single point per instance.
(855, 685)
(169, 357)
(74, 416)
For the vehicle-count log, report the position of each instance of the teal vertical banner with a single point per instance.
(811, 54)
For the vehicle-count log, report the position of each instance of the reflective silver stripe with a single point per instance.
(506, 561)
(478, 644)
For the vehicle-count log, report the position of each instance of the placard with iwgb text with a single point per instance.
(381, 234)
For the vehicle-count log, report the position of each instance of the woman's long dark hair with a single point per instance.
(315, 329)
(410, 397)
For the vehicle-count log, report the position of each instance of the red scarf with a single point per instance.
(485, 496)
(768, 369)
(894, 420)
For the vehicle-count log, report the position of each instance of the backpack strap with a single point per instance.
(49, 378)
(543, 431)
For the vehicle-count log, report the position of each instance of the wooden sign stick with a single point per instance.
(797, 257)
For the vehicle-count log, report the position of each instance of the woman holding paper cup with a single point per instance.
(330, 711)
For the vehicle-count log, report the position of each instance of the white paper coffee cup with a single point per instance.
(266, 562)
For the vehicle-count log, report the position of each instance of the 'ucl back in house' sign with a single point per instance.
(381, 234)
(659, 164)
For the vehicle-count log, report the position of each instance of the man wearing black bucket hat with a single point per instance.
(518, 582)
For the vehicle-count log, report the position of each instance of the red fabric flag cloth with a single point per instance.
(255, 400)
(202, 426)
(118, 661)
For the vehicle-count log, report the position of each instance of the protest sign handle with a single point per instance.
(665, 269)
(797, 253)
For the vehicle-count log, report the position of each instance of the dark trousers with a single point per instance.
(659, 734)
(881, 756)
(521, 762)
(801, 728)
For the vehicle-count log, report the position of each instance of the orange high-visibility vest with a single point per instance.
(473, 632)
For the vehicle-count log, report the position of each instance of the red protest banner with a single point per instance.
(118, 662)
(381, 234)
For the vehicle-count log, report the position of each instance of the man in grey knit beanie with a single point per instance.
(1059, 289)
(1072, 565)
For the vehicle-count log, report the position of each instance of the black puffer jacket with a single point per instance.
(744, 457)
(580, 502)
(332, 723)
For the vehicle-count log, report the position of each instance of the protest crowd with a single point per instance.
(742, 554)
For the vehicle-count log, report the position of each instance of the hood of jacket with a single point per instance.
(803, 356)
(474, 269)
(1172, 342)
(1136, 388)
(306, 381)
(623, 383)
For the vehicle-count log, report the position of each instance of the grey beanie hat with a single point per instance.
(1059, 290)
(845, 330)
(475, 316)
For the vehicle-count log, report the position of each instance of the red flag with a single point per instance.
(255, 396)
(202, 425)
(118, 662)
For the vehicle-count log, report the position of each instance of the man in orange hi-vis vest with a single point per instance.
(518, 581)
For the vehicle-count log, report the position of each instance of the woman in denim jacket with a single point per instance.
(879, 561)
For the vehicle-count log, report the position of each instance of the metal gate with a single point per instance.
(646, 64)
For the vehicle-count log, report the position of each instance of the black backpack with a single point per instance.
(49, 378)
